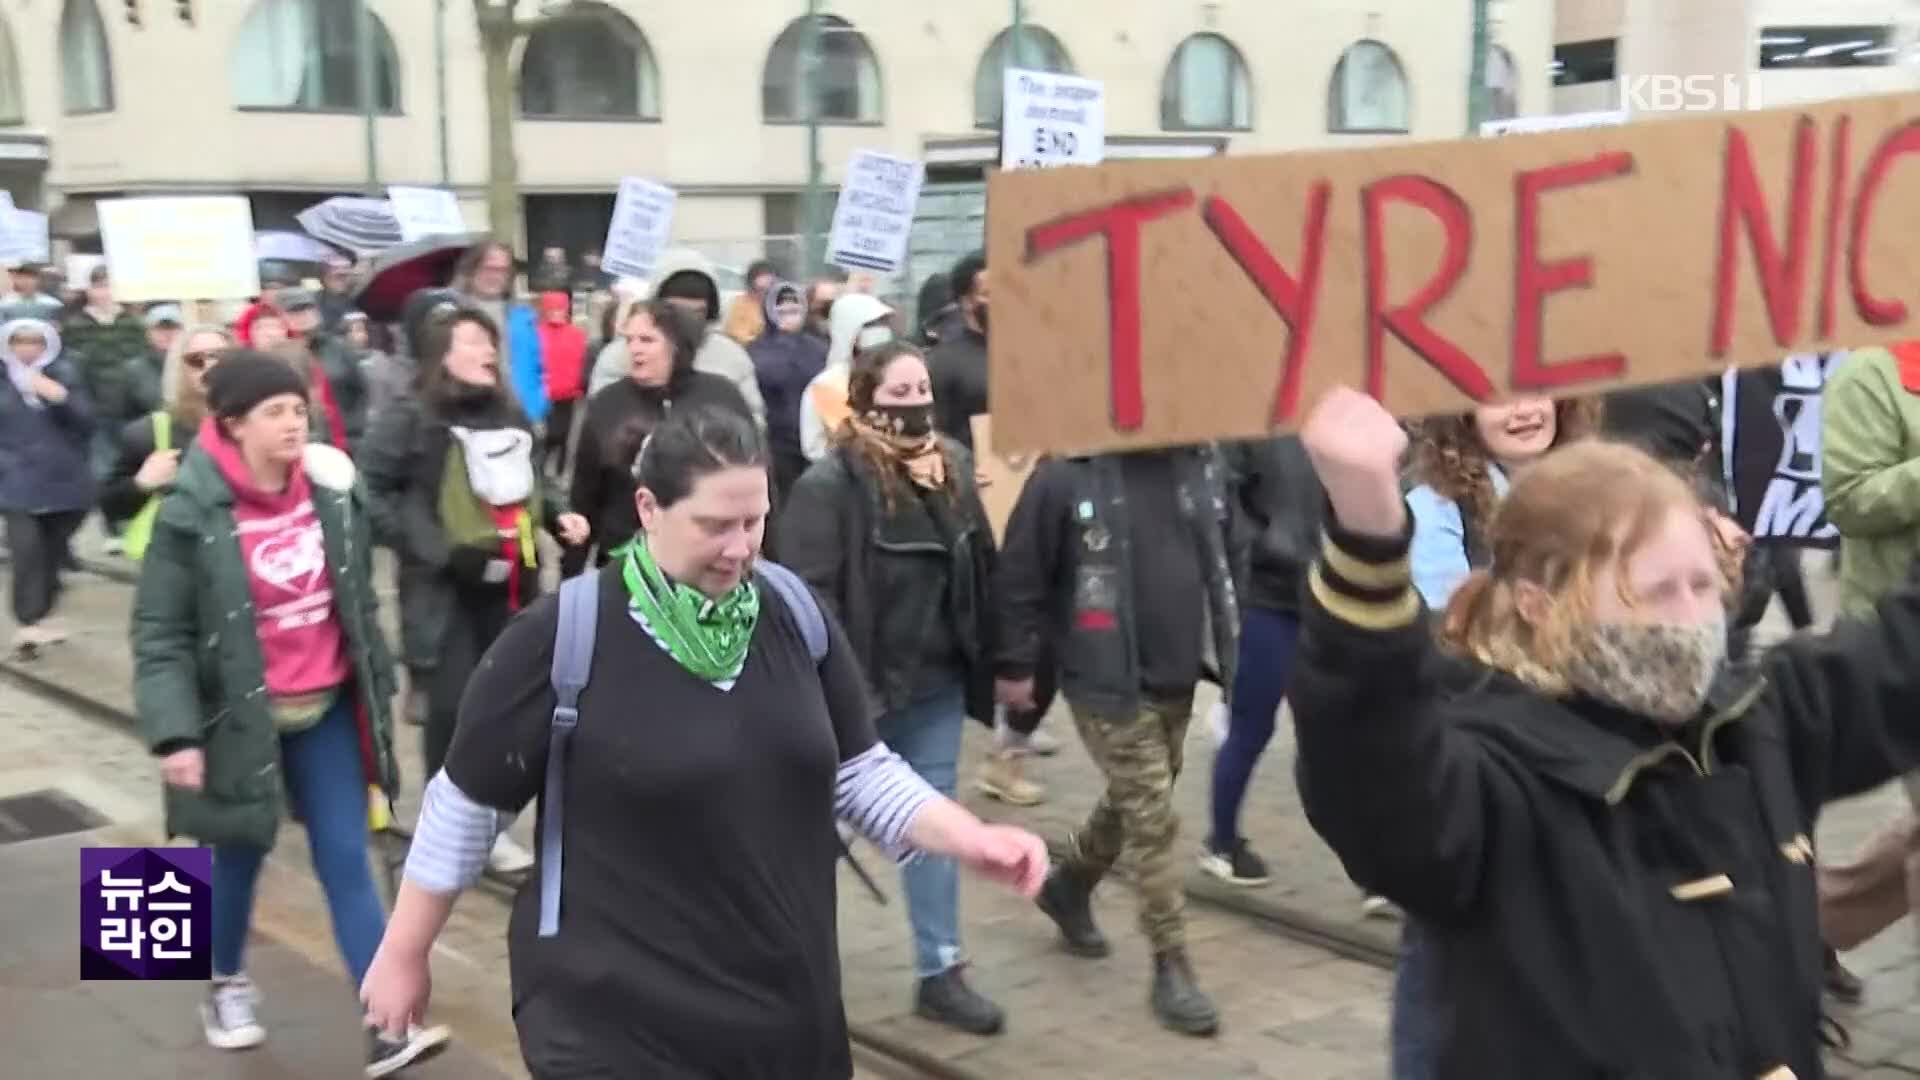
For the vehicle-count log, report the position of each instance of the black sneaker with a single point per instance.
(1840, 984)
(1237, 865)
(947, 999)
(386, 1056)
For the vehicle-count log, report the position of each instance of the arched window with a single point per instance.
(1503, 84)
(1369, 91)
(86, 66)
(595, 64)
(845, 76)
(1039, 51)
(304, 56)
(13, 107)
(1206, 87)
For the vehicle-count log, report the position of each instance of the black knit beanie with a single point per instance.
(244, 378)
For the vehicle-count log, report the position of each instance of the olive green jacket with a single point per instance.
(199, 676)
(1870, 474)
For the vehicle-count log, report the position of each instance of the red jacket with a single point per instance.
(563, 350)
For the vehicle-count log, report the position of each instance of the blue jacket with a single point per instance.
(525, 366)
(1439, 552)
(43, 446)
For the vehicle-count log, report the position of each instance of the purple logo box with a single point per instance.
(146, 913)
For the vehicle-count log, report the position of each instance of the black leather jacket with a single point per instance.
(889, 572)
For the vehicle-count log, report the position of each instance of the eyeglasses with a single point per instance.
(197, 360)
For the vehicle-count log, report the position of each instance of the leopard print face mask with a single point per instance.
(1658, 670)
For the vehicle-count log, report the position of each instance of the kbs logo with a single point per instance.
(1641, 94)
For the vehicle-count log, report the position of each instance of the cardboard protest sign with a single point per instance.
(1004, 476)
(1156, 303)
(187, 248)
(875, 212)
(1771, 438)
(637, 233)
(424, 212)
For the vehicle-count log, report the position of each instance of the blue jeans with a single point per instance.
(1267, 641)
(328, 787)
(926, 732)
(1413, 1031)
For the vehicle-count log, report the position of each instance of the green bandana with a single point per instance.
(708, 637)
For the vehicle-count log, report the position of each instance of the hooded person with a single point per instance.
(785, 359)
(857, 321)
(46, 477)
(685, 278)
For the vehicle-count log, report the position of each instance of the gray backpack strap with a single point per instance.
(800, 600)
(572, 660)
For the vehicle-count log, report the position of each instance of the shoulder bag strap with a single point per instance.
(572, 660)
(800, 600)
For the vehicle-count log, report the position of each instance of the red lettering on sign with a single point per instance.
(1873, 310)
(1533, 279)
(1836, 202)
(1120, 224)
(1294, 300)
(1783, 276)
(1407, 322)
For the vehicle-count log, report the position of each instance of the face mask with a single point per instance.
(907, 421)
(1658, 670)
(789, 316)
(873, 337)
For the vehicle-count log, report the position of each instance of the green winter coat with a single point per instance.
(199, 677)
(1870, 474)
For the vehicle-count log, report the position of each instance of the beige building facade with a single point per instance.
(262, 96)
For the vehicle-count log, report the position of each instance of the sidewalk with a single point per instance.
(55, 1026)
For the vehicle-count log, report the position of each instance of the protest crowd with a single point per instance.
(691, 576)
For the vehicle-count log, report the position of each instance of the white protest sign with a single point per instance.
(1521, 125)
(1052, 120)
(424, 212)
(185, 248)
(637, 234)
(875, 213)
(27, 236)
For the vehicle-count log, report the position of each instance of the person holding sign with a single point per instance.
(1608, 835)
(1117, 566)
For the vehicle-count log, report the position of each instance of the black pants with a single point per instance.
(477, 618)
(39, 545)
(559, 435)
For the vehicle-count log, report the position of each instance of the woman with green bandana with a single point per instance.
(725, 722)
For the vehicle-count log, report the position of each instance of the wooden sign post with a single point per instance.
(1157, 303)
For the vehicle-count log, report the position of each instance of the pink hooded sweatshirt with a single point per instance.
(281, 544)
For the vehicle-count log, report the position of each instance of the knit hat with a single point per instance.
(243, 379)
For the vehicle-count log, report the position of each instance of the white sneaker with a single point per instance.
(1378, 907)
(508, 857)
(1042, 744)
(228, 1014)
(388, 1056)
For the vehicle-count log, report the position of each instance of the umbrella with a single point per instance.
(358, 224)
(398, 272)
(290, 247)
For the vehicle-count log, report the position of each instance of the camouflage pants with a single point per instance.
(1140, 755)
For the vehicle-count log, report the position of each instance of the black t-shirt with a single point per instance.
(697, 919)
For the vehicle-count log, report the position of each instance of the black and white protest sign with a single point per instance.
(1771, 428)
(875, 214)
(1052, 119)
(638, 231)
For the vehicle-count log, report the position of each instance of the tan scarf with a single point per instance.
(925, 465)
